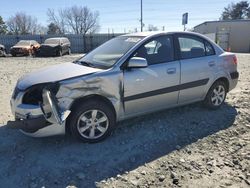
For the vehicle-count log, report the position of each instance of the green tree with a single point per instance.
(3, 27)
(233, 11)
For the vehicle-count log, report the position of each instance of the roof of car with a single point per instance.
(151, 33)
(27, 40)
(57, 38)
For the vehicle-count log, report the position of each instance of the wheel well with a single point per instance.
(225, 80)
(94, 97)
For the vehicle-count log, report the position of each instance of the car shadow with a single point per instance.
(61, 161)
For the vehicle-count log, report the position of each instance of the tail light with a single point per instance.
(235, 61)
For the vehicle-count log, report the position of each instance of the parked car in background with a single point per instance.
(127, 76)
(54, 47)
(24, 48)
(2, 51)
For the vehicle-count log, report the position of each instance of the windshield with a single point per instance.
(23, 43)
(52, 41)
(106, 55)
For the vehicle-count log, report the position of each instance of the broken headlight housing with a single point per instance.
(33, 95)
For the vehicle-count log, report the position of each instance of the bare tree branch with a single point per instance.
(77, 19)
(58, 20)
(22, 23)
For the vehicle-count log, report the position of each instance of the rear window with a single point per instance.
(194, 47)
(191, 48)
(52, 41)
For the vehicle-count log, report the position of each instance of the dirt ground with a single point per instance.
(188, 146)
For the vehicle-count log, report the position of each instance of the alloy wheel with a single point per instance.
(218, 95)
(92, 124)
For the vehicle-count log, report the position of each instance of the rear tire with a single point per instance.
(92, 121)
(216, 95)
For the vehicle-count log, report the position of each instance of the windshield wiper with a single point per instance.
(85, 63)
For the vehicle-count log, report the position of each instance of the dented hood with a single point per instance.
(54, 73)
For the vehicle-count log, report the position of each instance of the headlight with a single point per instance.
(34, 94)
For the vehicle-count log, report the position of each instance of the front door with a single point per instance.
(156, 86)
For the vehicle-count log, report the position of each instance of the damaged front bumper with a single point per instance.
(38, 121)
(29, 125)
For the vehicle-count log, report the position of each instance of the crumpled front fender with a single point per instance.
(51, 115)
(50, 109)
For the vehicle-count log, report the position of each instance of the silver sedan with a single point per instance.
(127, 76)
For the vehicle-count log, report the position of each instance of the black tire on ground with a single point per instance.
(59, 53)
(84, 108)
(69, 51)
(209, 102)
(13, 54)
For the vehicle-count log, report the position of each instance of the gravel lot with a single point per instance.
(188, 146)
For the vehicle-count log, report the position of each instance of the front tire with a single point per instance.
(69, 51)
(216, 95)
(92, 121)
(59, 53)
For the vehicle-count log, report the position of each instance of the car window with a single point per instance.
(65, 41)
(106, 55)
(52, 41)
(209, 49)
(23, 43)
(152, 47)
(191, 47)
(158, 50)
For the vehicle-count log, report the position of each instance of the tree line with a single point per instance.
(75, 20)
(82, 20)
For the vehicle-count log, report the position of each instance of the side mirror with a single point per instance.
(137, 62)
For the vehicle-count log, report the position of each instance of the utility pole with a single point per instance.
(141, 17)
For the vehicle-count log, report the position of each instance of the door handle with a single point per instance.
(211, 63)
(171, 71)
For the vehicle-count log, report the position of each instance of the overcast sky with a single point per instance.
(124, 15)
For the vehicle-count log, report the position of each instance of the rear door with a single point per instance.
(156, 86)
(198, 62)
